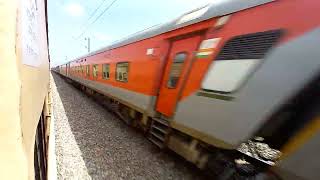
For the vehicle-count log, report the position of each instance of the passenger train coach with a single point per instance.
(234, 82)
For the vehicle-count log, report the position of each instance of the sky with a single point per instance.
(71, 21)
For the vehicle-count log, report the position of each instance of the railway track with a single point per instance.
(92, 143)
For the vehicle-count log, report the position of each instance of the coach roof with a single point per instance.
(215, 9)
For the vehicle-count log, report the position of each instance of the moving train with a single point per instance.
(232, 86)
(25, 110)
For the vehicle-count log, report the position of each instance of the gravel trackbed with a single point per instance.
(92, 143)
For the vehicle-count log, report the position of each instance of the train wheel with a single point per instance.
(125, 115)
(225, 168)
(40, 158)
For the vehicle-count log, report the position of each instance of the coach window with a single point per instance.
(237, 60)
(176, 69)
(95, 70)
(122, 71)
(106, 71)
(88, 70)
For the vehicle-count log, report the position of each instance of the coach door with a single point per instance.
(179, 59)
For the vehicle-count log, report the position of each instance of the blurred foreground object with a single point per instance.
(25, 109)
